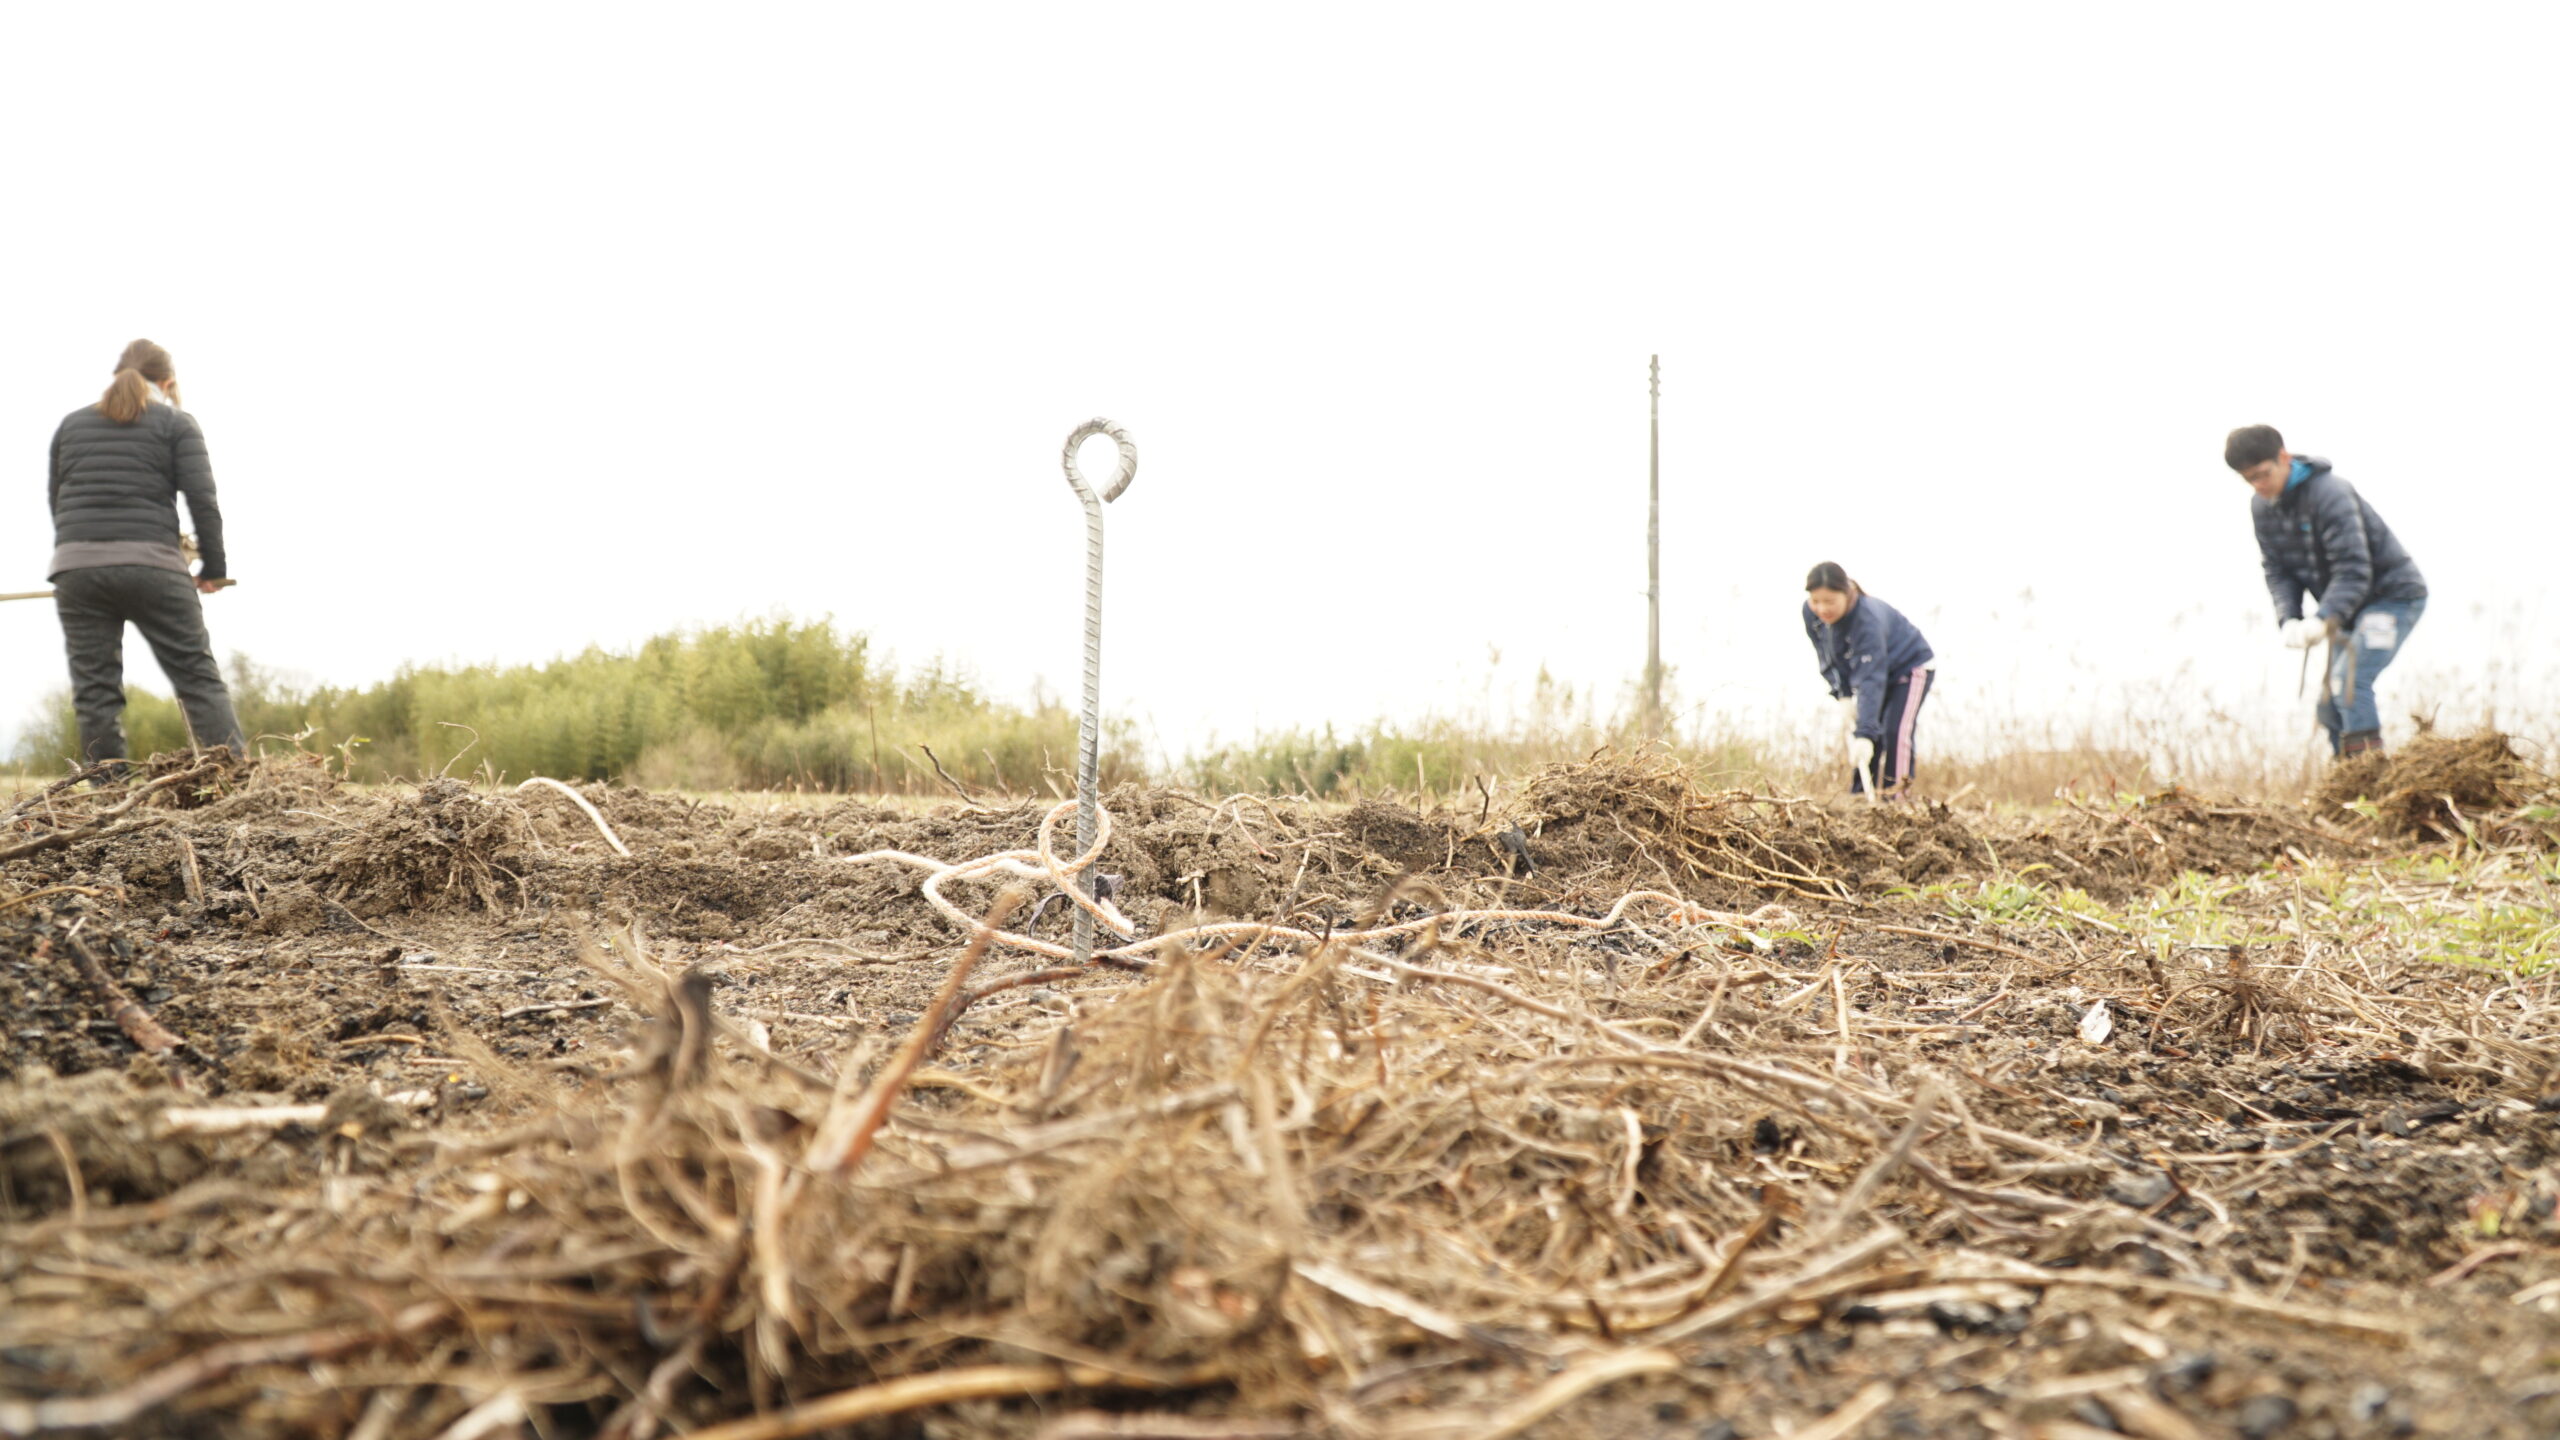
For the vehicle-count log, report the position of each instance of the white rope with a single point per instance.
(1128, 457)
(1089, 730)
(1042, 863)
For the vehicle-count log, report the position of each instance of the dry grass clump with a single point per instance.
(2238, 1002)
(2434, 787)
(443, 846)
(1646, 813)
(208, 775)
(1613, 805)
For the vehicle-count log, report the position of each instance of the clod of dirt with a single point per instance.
(292, 909)
(224, 773)
(274, 1058)
(1396, 834)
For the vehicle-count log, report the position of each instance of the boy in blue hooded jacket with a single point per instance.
(2317, 535)
(1879, 668)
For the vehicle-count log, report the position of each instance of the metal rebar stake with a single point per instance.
(1089, 725)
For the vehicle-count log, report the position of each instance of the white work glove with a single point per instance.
(1849, 714)
(2303, 634)
(1862, 752)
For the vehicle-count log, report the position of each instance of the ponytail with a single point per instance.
(1829, 576)
(126, 396)
(142, 366)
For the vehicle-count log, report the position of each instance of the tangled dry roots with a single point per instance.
(1614, 813)
(1337, 1176)
(1252, 1176)
(443, 846)
(1240, 1175)
(1649, 804)
(2435, 787)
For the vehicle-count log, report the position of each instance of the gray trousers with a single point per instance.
(95, 605)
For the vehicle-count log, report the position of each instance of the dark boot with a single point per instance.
(2359, 742)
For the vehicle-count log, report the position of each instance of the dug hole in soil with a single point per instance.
(426, 1112)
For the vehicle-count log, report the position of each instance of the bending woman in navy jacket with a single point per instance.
(1880, 670)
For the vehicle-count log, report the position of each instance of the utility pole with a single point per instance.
(1653, 572)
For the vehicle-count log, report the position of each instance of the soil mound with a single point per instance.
(443, 846)
(2146, 843)
(2436, 787)
(1634, 816)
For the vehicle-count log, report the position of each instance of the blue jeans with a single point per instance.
(2346, 708)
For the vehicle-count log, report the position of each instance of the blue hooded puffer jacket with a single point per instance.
(1863, 654)
(2322, 537)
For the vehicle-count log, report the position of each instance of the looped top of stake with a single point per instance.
(1128, 457)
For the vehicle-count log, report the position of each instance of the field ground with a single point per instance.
(1600, 1105)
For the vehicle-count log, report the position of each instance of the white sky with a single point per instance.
(520, 328)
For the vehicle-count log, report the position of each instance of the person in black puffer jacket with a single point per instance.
(118, 469)
(2317, 535)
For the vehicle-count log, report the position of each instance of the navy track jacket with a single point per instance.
(1871, 647)
(2321, 536)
